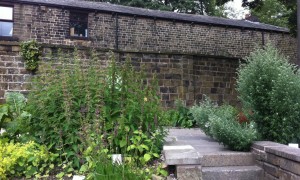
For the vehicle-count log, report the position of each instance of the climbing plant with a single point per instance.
(31, 54)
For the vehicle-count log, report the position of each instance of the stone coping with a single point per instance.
(278, 150)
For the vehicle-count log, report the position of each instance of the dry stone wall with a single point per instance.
(278, 161)
(189, 59)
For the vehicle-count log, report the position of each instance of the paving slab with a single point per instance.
(192, 146)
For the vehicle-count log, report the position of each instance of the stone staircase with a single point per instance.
(191, 165)
(197, 157)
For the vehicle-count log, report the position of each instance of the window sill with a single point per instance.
(78, 38)
(8, 38)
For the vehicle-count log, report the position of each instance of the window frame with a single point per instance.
(86, 21)
(8, 5)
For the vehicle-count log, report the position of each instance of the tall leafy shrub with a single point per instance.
(220, 122)
(269, 87)
(74, 101)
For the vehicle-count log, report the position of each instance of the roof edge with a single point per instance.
(282, 30)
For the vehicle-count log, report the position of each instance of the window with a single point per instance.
(6, 21)
(78, 24)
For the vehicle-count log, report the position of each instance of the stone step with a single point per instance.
(232, 173)
(187, 155)
(228, 159)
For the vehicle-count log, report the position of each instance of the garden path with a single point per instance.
(197, 156)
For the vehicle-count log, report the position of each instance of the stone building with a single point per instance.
(192, 55)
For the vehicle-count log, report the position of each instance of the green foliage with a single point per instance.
(180, 117)
(31, 54)
(24, 160)
(226, 129)
(108, 171)
(78, 105)
(285, 12)
(272, 12)
(13, 114)
(207, 7)
(201, 114)
(269, 86)
(221, 124)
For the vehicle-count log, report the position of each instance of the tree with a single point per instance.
(272, 12)
(286, 10)
(203, 7)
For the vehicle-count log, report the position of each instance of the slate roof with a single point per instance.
(173, 16)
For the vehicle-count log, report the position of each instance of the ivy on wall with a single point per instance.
(31, 54)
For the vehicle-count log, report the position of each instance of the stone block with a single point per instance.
(269, 177)
(188, 172)
(181, 157)
(261, 145)
(285, 152)
(232, 173)
(270, 169)
(15, 48)
(285, 175)
(273, 159)
(227, 159)
(290, 166)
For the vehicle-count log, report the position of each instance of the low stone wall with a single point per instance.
(279, 162)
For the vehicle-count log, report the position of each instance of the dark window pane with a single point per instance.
(78, 24)
(6, 28)
(6, 13)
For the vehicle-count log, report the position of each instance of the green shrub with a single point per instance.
(269, 86)
(24, 160)
(228, 131)
(179, 117)
(220, 122)
(13, 115)
(201, 113)
(79, 104)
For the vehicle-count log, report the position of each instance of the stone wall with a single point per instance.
(190, 60)
(139, 34)
(13, 76)
(184, 77)
(278, 161)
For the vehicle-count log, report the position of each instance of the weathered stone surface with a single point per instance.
(181, 157)
(188, 172)
(261, 145)
(291, 166)
(273, 159)
(286, 152)
(269, 177)
(228, 159)
(285, 175)
(270, 169)
(232, 173)
(279, 161)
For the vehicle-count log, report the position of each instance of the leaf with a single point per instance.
(3, 111)
(60, 175)
(163, 172)
(145, 147)
(131, 147)
(123, 143)
(83, 168)
(155, 155)
(15, 100)
(147, 157)
(51, 166)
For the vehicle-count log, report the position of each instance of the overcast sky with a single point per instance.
(236, 11)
